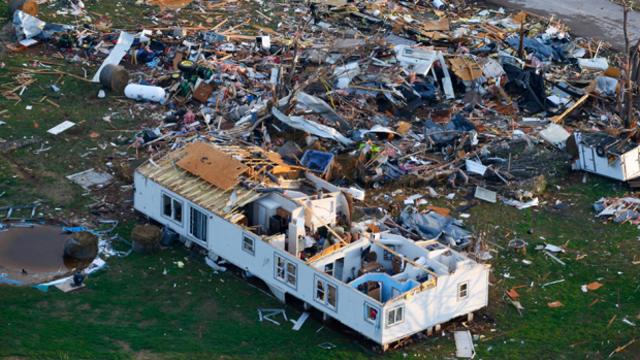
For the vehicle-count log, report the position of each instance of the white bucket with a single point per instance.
(145, 92)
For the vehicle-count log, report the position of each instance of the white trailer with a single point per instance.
(382, 285)
(608, 156)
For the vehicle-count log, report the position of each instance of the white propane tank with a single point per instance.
(145, 92)
(438, 4)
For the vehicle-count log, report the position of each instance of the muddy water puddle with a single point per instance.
(35, 254)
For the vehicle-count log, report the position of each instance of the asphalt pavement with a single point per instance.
(599, 19)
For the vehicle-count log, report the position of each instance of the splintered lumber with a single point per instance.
(560, 117)
(620, 348)
(52, 103)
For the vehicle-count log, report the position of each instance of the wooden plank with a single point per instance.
(213, 198)
(465, 68)
(166, 176)
(204, 194)
(400, 255)
(193, 185)
(181, 183)
(326, 252)
(436, 25)
(560, 117)
(321, 221)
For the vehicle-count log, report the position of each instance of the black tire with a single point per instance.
(187, 66)
(600, 151)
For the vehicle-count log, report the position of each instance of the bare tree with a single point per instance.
(627, 113)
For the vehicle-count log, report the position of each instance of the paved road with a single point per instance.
(599, 19)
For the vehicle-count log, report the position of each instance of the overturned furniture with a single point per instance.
(287, 227)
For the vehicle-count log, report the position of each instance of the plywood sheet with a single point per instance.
(466, 68)
(170, 4)
(436, 25)
(212, 165)
(67, 287)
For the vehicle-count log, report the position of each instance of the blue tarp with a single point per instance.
(540, 48)
(434, 226)
(5, 280)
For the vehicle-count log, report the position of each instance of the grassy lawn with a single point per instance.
(595, 252)
(103, 126)
(131, 310)
(90, 143)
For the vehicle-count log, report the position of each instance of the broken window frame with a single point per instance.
(291, 274)
(285, 271)
(328, 268)
(248, 244)
(329, 293)
(280, 268)
(320, 294)
(198, 224)
(395, 316)
(367, 313)
(172, 204)
(463, 290)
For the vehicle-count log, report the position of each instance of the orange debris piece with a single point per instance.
(439, 210)
(513, 293)
(555, 304)
(594, 286)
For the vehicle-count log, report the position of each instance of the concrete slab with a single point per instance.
(90, 178)
(66, 286)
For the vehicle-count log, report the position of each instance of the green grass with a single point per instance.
(544, 332)
(26, 177)
(132, 310)
(119, 13)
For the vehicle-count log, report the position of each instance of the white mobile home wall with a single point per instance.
(422, 310)
(440, 304)
(224, 239)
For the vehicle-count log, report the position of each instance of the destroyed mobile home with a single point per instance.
(291, 234)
